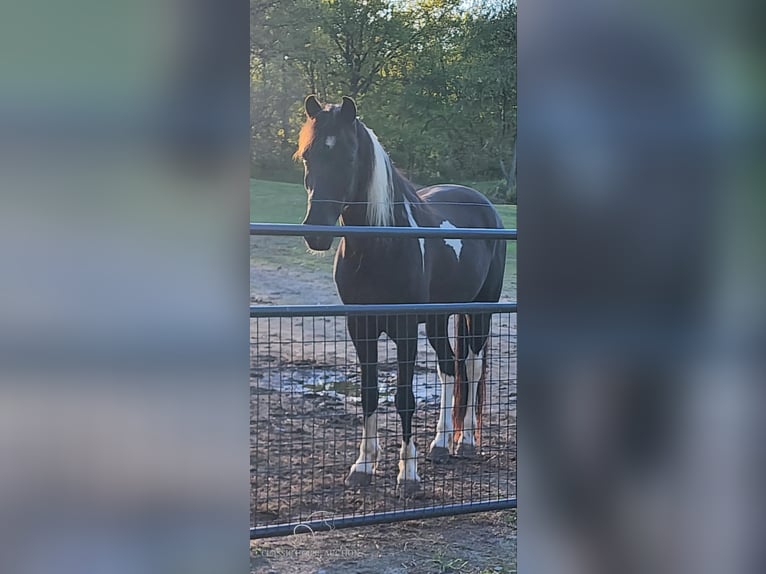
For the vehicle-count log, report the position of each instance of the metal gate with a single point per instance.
(306, 413)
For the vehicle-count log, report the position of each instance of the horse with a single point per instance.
(349, 176)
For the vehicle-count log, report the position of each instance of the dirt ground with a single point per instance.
(305, 429)
(482, 543)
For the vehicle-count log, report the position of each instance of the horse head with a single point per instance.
(329, 149)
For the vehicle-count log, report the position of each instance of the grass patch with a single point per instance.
(277, 202)
(445, 565)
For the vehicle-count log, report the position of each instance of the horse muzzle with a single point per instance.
(325, 214)
(318, 242)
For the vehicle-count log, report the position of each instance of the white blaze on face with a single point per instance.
(330, 141)
(414, 224)
(456, 244)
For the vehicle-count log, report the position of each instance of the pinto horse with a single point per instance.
(348, 175)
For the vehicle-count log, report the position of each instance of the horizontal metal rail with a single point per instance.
(262, 311)
(299, 230)
(380, 518)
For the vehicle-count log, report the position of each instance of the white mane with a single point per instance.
(380, 195)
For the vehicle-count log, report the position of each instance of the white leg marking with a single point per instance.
(330, 141)
(456, 244)
(368, 448)
(444, 426)
(473, 365)
(473, 372)
(421, 240)
(408, 463)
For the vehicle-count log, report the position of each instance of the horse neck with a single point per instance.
(401, 189)
(404, 193)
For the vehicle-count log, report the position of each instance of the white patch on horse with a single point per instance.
(413, 223)
(456, 244)
(330, 141)
(443, 437)
(408, 463)
(368, 449)
(380, 202)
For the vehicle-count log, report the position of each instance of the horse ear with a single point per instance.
(312, 106)
(348, 110)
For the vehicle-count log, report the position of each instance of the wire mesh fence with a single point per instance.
(307, 423)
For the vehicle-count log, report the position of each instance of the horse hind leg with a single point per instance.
(474, 335)
(467, 442)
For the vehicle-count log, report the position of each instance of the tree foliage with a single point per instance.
(434, 79)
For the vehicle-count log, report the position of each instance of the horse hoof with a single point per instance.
(409, 489)
(466, 450)
(438, 454)
(356, 479)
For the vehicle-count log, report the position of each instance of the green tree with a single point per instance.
(435, 80)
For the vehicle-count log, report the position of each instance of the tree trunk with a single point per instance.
(510, 176)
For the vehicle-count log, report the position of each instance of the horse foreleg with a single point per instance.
(367, 462)
(441, 446)
(366, 343)
(407, 481)
(439, 449)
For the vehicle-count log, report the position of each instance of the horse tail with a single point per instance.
(460, 392)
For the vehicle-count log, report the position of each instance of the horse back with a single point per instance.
(460, 206)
